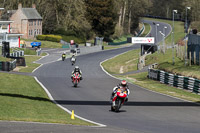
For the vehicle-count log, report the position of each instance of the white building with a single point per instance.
(7, 35)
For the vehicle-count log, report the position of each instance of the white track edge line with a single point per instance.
(65, 109)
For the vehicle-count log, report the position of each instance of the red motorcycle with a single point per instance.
(118, 99)
(76, 77)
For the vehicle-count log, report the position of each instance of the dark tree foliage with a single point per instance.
(102, 16)
(164, 8)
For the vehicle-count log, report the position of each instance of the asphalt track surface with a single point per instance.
(145, 111)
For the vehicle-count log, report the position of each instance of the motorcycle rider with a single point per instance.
(123, 86)
(64, 55)
(73, 56)
(77, 69)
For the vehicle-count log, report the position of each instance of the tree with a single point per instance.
(102, 16)
(74, 17)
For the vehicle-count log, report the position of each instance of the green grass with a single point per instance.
(22, 99)
(110, 47)
(30, 66)
(165, 61)
(178, 30)
(5, 59)
(113, 67)
(48, 44)
(180, 69)
(127, 61)
(121, 39)
(160, 57)
(27, 51)
(142, 80)
(147, 29)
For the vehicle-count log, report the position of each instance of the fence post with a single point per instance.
(1, 66)
(194, 58)
(190, 59)
(199, 58)
(182, 54)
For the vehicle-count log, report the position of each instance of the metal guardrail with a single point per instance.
(12, 65)
(17, 53)
(140, 31)
(117, 43)
(65, 44)
(8, 66)
(181, 82)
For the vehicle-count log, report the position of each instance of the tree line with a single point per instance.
(85, 18)
(164, 8)
(105, 18)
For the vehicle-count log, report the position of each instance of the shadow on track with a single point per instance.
(137, 103)
(103, 103)
(25, 97)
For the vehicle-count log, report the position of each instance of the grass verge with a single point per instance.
(48, 44)
(30, 66)
(142, 80)
(165, 61)
(113, 67)
(147, 29)
(123, 63)
(178, 30)
(23, 99)
(121, 39)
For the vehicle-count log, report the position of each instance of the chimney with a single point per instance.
(20, 6)
(33, 6)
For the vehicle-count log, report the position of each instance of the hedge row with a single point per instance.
(76, 40)
(52, 38)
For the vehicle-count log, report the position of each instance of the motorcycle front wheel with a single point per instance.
(117, 105)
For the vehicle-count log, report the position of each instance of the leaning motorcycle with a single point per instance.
(118, 99)
(73, 60)
(76, 79)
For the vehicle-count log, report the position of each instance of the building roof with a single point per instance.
(31, 13)
(5, 22)
(11, 34)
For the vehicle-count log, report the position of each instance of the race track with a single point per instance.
(146, 111)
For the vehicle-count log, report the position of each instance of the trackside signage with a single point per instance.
(141, 40)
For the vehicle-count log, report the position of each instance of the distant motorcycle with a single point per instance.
(63, 57)
(76, 77)
(73, 60)
(118, 99)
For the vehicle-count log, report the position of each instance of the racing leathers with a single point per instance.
(77, 70)
(120, 87)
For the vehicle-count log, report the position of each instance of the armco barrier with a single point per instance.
(13, 64)
(187, 83)
(0, 65)
(8, 66)
(17, 53)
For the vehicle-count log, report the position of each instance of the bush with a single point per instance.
(76, 39)
(52, 38)
(77, 36)
(61, 31)
(41, 37)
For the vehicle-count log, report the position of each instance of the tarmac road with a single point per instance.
(146, 111)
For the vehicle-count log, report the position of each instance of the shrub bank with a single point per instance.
(52, 38)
